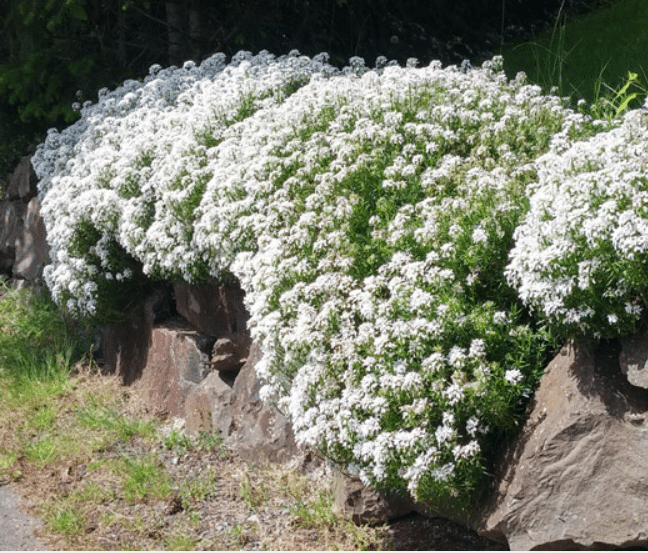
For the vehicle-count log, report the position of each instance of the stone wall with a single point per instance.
(197, 364)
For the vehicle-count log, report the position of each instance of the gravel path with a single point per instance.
(16, 528)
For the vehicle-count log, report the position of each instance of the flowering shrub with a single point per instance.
(384, 219)
(581, 253)
(121, 187)
(368, 215)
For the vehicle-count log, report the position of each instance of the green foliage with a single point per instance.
(36, 341)
(254, 494)
(116, 424)
(65, 520)
(144, 479)
(579, 56)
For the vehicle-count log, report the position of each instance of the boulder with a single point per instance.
(234, 407)
(208, 406)
(364, 505)
(577, 477)
(216, 309)
(32, 251)
(178, 359)
(12, 218)
(23, 181)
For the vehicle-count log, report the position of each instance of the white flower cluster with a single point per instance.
(385, 206)
(125, 181)
(368, 216)
(581, 253)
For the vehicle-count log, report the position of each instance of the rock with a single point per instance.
(259, 430)
(124, 347)
(217, 309)
(366, 506)
(634, 359)
(32, 251)
(234, 407)
(208, 406)
(12, 217)
(23, 181)
(230, 354)
(577, 477)
(177, 360)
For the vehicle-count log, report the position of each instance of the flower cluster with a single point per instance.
(581, 253)
(383, 217)
(120, 187)
(368, 215)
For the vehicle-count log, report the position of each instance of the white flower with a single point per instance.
(513, 376)
(477, 348)
(479, 236)
(261, 168)
(454, 393)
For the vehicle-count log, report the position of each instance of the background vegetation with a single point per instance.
(590, 55)
(52, 49)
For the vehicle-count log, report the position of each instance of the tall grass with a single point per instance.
(37, 343)
(589, 57)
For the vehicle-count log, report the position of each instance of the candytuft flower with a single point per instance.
(367, 214)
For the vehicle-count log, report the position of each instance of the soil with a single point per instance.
(249, 506)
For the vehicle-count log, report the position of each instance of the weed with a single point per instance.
(316, 514)
(92, 492)
(40, 451)
(7, 460)
(198, 488)
(242, 535)
(117, 424)
(211, 441)
(611, 103)
(254, 494)
(177, 441)
(65, 520)
(294, 484)
(180, 542)
(144, 480)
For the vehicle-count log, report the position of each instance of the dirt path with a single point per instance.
(16, 528)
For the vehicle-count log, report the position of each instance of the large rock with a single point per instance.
(177, 360)
(215, 309)
(234, 407)
(12, 217)
(23, 181)
(32, 251)
(364, 505)
(578, 475)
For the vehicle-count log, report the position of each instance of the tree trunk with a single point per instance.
(195, 34)
(175, 28)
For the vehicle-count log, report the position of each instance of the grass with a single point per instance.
(588, 57)
(103, 477)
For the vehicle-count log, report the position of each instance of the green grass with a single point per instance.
(144, 479)
(66, 520)
(588, 56)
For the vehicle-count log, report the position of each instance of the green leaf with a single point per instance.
(624, 105)
(77, 11)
